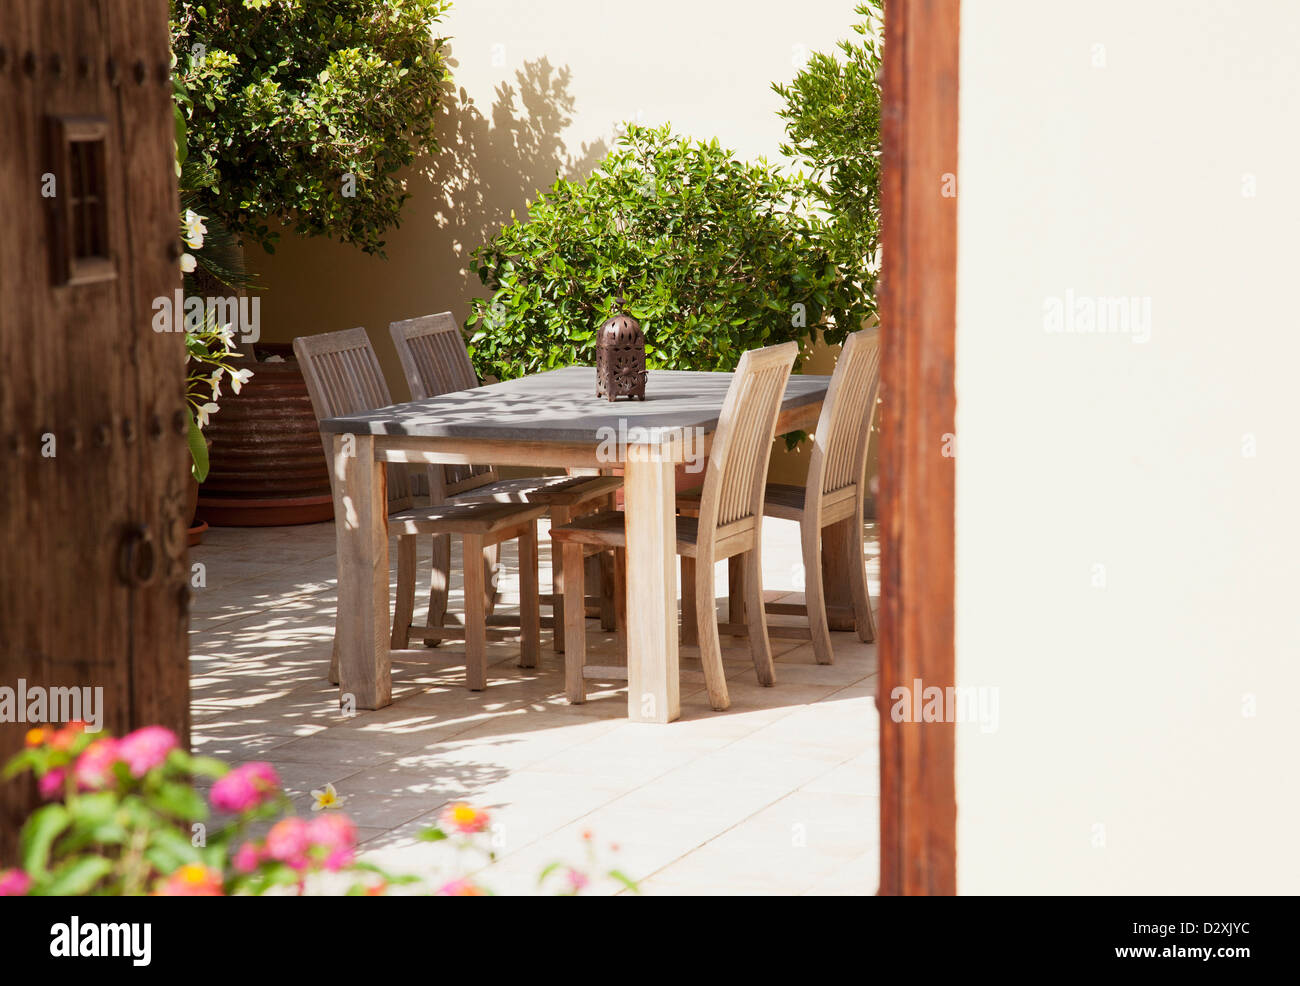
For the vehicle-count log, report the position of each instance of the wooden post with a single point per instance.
(918, 810)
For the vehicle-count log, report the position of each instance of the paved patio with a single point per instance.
(777, 795)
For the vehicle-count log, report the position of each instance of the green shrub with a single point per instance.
(285, 99)
(832, 115)
(713, 255)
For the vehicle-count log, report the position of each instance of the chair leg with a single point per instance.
(706, 623)
(559, 517)
(813, 593)
(760, 648)
(404, 609)
(618, 562)
(439, 581)
(575, 620)
(690, 631)
(736, 589)
(491, 577)
(608, 605)
(838, 545)
(475, 614)
(530, 648)
(862, 615)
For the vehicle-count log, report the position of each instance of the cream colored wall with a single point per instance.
(541, 88)
(1129, 706)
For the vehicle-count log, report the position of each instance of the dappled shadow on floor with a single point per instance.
(260, 650)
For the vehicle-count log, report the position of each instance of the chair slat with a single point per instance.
(435, 361)
(343, 377)
(844, 428)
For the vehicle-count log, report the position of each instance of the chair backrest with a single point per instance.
(343, 377)
(839, 455)
(737, 472)
(435, 361)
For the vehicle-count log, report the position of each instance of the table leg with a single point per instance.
(649, 497)
(361, 527)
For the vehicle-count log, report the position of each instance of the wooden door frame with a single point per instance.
(918, 807)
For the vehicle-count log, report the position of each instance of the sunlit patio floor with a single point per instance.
(777, 795)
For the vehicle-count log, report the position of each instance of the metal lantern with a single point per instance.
(620, 358)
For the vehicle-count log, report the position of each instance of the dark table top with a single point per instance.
(562, 406)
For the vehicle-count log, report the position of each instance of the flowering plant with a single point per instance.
(469, 828)
(208, 257)
(210, 352)
(124, 818)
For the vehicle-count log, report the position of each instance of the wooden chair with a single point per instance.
(729, 524)
(435, 361)
(343, 377)
(832, 500)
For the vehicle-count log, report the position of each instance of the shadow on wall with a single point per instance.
(485, 169)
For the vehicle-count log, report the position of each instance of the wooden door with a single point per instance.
(94, 578)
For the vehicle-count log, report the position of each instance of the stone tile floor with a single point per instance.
(777, 795)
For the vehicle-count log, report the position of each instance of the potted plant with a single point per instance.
(303, 122)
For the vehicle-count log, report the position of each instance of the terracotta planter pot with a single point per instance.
(267, 464)
(194, 528)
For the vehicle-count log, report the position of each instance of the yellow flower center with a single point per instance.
(464, 814)
(193, 873)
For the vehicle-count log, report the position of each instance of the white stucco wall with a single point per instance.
(1149, 708)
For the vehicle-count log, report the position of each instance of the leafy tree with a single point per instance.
(305, 110)
(832, 115)
(713, 256)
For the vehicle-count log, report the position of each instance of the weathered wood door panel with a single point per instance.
(93, 572)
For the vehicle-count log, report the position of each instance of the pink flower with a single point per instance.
(288, 842)
(51, 785)
(94, 768)
(247, 857)
(460, 888)
(14, 883)
(337, 836)
(146, 748)
(244, 788)
(577, 879)
(464, 818)
(191, 880)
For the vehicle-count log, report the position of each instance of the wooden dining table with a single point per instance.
(547, 420)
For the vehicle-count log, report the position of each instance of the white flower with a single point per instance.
(187, 263)
(238, 378)
(193, 229)
(215, 384)
(205, 412)
(327, 798)
(227, 335)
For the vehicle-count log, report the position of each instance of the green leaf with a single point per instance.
(626, 880)
(39, 833)
(77, 876)
(180, 801)
(198, 447)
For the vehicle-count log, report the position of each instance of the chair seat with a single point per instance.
(462, 518)
(550, 491)
(605, 528)
(783, 500)
(779, 500)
